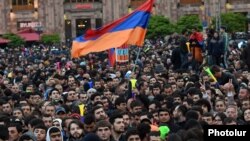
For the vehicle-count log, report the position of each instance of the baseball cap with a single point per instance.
(60, 109)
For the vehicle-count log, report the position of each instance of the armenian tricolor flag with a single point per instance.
(130, 30)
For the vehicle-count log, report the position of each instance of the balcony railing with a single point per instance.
(23, 7)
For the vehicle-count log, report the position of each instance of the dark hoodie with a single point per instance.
(91, 137)
(31, 135)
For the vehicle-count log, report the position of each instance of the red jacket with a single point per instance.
(197, 35)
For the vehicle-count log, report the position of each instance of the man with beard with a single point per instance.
(98, 85)
(75, 131)
(179, 115)
(118, 127)
(99, 113)
(103, 130)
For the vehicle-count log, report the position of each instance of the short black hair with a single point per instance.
(25, 137)
(215, 69)
(4, 132)
(130, 133)
(94, 109)
(192, 114)
(17, 125)
(77, 122)
(41, 126)
(143, 129)
(204, 102)
(120, 100)
(207, 114)
(183, 109)
(36, 121)
(64, 121)
(198, 109)
(114, 116)
(163, 110)
(94, 95)
(156, 102)
(103, 123)
(54, 130)
(135, 103)
(88, 119)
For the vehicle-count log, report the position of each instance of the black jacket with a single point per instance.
(225, 79)
(246, 56)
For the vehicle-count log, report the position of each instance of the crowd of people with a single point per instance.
(164, 94)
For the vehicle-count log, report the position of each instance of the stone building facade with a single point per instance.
(71, 18)
(44, 16)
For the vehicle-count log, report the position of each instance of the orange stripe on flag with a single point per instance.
(137, 38)
(113, 39)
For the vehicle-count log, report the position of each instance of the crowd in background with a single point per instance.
(163, 95)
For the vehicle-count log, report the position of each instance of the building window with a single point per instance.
(22, 5)
(22, 2)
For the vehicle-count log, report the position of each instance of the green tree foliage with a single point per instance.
(159, 26)
(50, 38)
(15, 40)
(234, 21)
(187, 22)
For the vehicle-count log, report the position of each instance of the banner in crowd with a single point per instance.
(122, 55)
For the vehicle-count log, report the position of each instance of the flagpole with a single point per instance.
(137, 57)
(115, 59)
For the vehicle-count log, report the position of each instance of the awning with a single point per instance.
(29, 36)
(4, 41)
